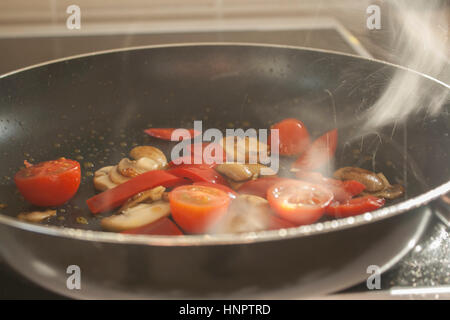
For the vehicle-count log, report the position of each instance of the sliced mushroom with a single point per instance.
(132, 168)
(247, 213)
(258, 170)
(137, 216)
(243, 149)
(239, 172)
(36, 216)
(102, 180)
(235, 171)
(370, 179)
(389, 191)
(148, 196)
(151, 153)
(116, 176)
(165, 196)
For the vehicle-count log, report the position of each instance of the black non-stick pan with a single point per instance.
(94, 108)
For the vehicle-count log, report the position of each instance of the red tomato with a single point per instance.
(294, 137)
(49, 183)
(161, 227)
(299, 202)
(319, 153)
(354, 206)
(166, 133)
(196, 209)
(228, 190)
(259, 186)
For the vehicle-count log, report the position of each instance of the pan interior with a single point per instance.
(94, 109)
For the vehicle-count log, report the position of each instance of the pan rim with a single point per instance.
(228, 239)
(212, 44)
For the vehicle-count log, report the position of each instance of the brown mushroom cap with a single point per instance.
(148, 196)
(149, 152)
(370, 179)
(239, 172)
(101, 179)
(244, 149)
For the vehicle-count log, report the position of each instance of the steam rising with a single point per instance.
(416, 46)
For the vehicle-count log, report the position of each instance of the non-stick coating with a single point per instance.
(95, 108)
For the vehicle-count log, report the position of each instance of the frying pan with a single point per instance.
(94, 108)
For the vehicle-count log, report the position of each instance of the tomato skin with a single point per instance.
(196, 209)
(293, 135)
(49, 183)
(279, 196)
(259, 186)
(318, 153)
(166, 133)
(354, 206)
(222, 187)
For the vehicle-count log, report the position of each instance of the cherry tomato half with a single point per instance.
(196, 209)
(299, 202)
(294, 137)
(231, 193)
(49, 183)
(354, 206)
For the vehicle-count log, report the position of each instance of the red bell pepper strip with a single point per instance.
(354, 206)
(318, 153)
(166, 133)
(161, 227)
(112, 198)
(259, 186)
(198, 174)
(228, 190)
